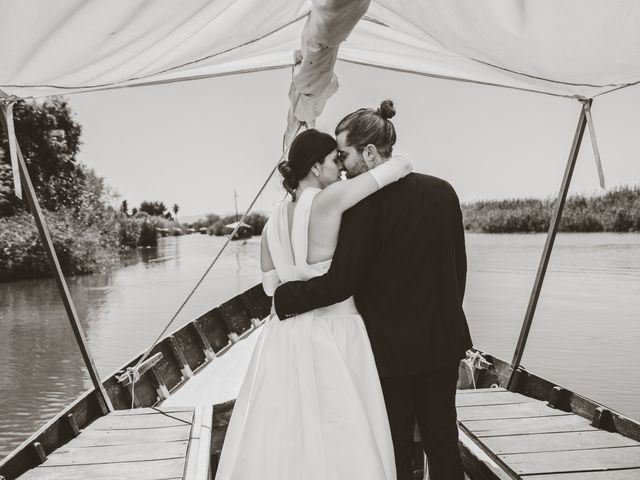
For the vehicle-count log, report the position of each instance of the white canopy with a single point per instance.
(557, 47)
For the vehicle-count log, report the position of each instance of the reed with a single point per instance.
(617, 210)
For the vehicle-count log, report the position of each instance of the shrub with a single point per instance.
(80, 248)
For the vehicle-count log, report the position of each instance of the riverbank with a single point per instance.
(617, 210)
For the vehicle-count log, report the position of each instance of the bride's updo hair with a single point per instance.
(368, 126)
(307, 149)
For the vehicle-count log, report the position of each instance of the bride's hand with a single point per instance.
(392, 170)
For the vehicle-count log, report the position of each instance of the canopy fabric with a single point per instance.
(329, 23)
(558, 47)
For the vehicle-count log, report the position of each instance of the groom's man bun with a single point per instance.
(386, 109)
(368, 126)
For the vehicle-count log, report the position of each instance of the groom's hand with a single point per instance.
(278, 297)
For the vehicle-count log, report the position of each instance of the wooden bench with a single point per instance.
(538, 442)
(142, 444)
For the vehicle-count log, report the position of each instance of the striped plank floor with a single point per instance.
(141, 444)
(541, 443)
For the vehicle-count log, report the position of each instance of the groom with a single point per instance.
(401, 254)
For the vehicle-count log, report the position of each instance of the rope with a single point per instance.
(133, 374)
(473, 361)
(224, 246)
(171, 416)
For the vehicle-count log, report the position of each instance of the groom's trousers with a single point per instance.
(428, 398)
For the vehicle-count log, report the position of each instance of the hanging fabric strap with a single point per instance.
(594, 143)
(7, 111)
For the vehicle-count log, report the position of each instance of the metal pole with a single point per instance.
(103, 398)
(551, 236)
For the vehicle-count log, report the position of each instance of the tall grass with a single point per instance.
(615, 211)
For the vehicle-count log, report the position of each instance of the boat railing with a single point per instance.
(170, 365)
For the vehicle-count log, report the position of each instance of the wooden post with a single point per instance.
(558, 399)
(39, 451)
(181, 359)
(45, 237)
(73, 425)
(206, 346)
(551, 236)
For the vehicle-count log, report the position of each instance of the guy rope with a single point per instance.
(132, 374)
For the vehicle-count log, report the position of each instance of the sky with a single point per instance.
(193, 143)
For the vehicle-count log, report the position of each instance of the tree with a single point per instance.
(49, 138)
(175, 210)
(153, 208)
(124, 208)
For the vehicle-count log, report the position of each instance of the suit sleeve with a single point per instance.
(355, 250)
(459, 246)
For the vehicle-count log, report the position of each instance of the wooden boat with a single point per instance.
(239, 230)
(531, 429)
(534, 415)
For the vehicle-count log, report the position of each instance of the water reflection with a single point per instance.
(121, 311)
(585, 334)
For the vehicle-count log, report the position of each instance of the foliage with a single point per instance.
(257, 222)
(618, 210)
(80, 248)
(148, 234)
(205, 222)
(49, 138)
(153, 208)
(129, 232)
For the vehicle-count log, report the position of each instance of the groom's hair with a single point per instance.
(368, 126)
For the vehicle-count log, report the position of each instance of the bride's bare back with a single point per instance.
(329, 205)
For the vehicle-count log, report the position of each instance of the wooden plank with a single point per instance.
(54, 433)
(96, 438)
(133, 422)
(633, 474)
(480, 390)
(151, 470)
(199, 459)
(549, 442)
(150, 411)
(521, 426)
(68, 455)
(519, 410)
(498, 398)
(574, 461)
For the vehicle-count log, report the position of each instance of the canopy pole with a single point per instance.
(551, 236)
(103, 399)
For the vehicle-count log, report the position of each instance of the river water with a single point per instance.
(585, 335)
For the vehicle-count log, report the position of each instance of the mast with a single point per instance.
(235, 201)
(45, 238)
(548, 246)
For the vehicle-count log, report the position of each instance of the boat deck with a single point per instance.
(144, 444)
(538, 442)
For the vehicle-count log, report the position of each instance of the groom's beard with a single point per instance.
(358, 168)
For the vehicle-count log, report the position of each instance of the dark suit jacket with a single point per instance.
(401, 254)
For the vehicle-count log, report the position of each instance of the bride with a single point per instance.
(311, 405)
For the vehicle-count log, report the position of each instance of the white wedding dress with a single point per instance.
(311, 405)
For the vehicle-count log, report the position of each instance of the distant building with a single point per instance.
(244, 231)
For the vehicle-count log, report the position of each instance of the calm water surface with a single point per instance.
(585, 335)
